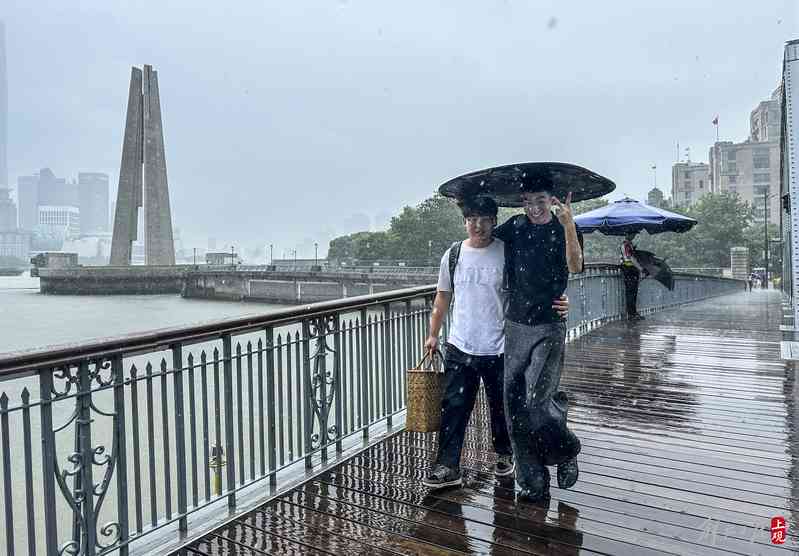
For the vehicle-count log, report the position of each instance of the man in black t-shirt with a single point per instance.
(540, 251)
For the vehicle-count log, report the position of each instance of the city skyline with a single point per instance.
(5, 181)
(371, 104)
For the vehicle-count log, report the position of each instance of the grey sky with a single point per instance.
(290, 122)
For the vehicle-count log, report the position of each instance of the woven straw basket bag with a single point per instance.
(425, 384)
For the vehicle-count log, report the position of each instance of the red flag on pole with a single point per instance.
(716, 120)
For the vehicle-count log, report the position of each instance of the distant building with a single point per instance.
(689, 182)
(750, 169)
(93, 202)
(55, 191)
(28, 201)
(3, 110)
(221, 257)
(8, 212)
(655, 198)
(60, 221)
(15, 244)
(765, 119)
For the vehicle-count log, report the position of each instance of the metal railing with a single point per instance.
(106, 443)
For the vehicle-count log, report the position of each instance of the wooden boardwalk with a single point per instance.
(688, 422)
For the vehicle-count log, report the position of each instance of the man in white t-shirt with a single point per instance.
(476, 341)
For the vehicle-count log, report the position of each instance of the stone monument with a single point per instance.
(142, 178)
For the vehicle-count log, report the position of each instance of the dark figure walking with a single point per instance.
(631, 271)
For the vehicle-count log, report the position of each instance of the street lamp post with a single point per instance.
(315, 253)
(271, 258)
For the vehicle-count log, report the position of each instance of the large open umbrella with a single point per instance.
(505, 184)
(630, 216)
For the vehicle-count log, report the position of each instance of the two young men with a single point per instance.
(532, 251)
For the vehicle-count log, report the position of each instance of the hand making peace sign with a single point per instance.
(564, 212)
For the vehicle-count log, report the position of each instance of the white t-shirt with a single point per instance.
(478, 315)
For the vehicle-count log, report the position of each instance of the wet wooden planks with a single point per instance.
(688, 426)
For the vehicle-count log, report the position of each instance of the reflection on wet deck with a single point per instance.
(688, 425)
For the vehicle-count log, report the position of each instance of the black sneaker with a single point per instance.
(537, 490)
(534, 497)
(505, 466)
(568, 473)
(442, 477)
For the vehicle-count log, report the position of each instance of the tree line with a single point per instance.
(419, 235)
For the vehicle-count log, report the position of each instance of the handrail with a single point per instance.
(14, 363)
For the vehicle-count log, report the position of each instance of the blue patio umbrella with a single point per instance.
(628, 216)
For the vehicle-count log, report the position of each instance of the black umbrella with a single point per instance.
(505, 184)
(656, 267)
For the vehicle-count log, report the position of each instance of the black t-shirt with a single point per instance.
(535, 260)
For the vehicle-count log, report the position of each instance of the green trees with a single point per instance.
(420, 234)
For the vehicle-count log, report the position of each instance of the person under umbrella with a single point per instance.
(627, 217)
(542, 247)
(632, 272)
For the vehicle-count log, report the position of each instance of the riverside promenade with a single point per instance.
(689, 429)
(148, 443)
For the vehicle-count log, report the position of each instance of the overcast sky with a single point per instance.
(291, 122)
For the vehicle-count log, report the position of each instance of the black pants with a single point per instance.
(462, 375)
(631, 278)
(533, 364)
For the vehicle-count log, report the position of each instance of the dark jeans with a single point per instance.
(533, 363)
(462, 375)
(631, 278)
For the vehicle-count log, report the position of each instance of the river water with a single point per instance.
(29, 320)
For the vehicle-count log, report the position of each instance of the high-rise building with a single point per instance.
(93, 202)
(28, 201)
(56, 191)
(3, 110)
(689, 182)
(752, 170)
(8, 212)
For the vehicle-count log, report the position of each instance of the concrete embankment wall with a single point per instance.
(250, 287)
(112, 280)
(233, 285)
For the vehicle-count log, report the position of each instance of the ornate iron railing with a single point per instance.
(105, 444)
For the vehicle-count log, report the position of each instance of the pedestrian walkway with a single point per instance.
(688, 422)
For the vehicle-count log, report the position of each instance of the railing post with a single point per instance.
(408, 347)
(85, 458)
(308, 405)
(337, 341)
(270, 403)
(7, 500)
(118, 371)
(362, 335)
(387, 364)
(227, 366)
(48, 462)
(180, 434)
